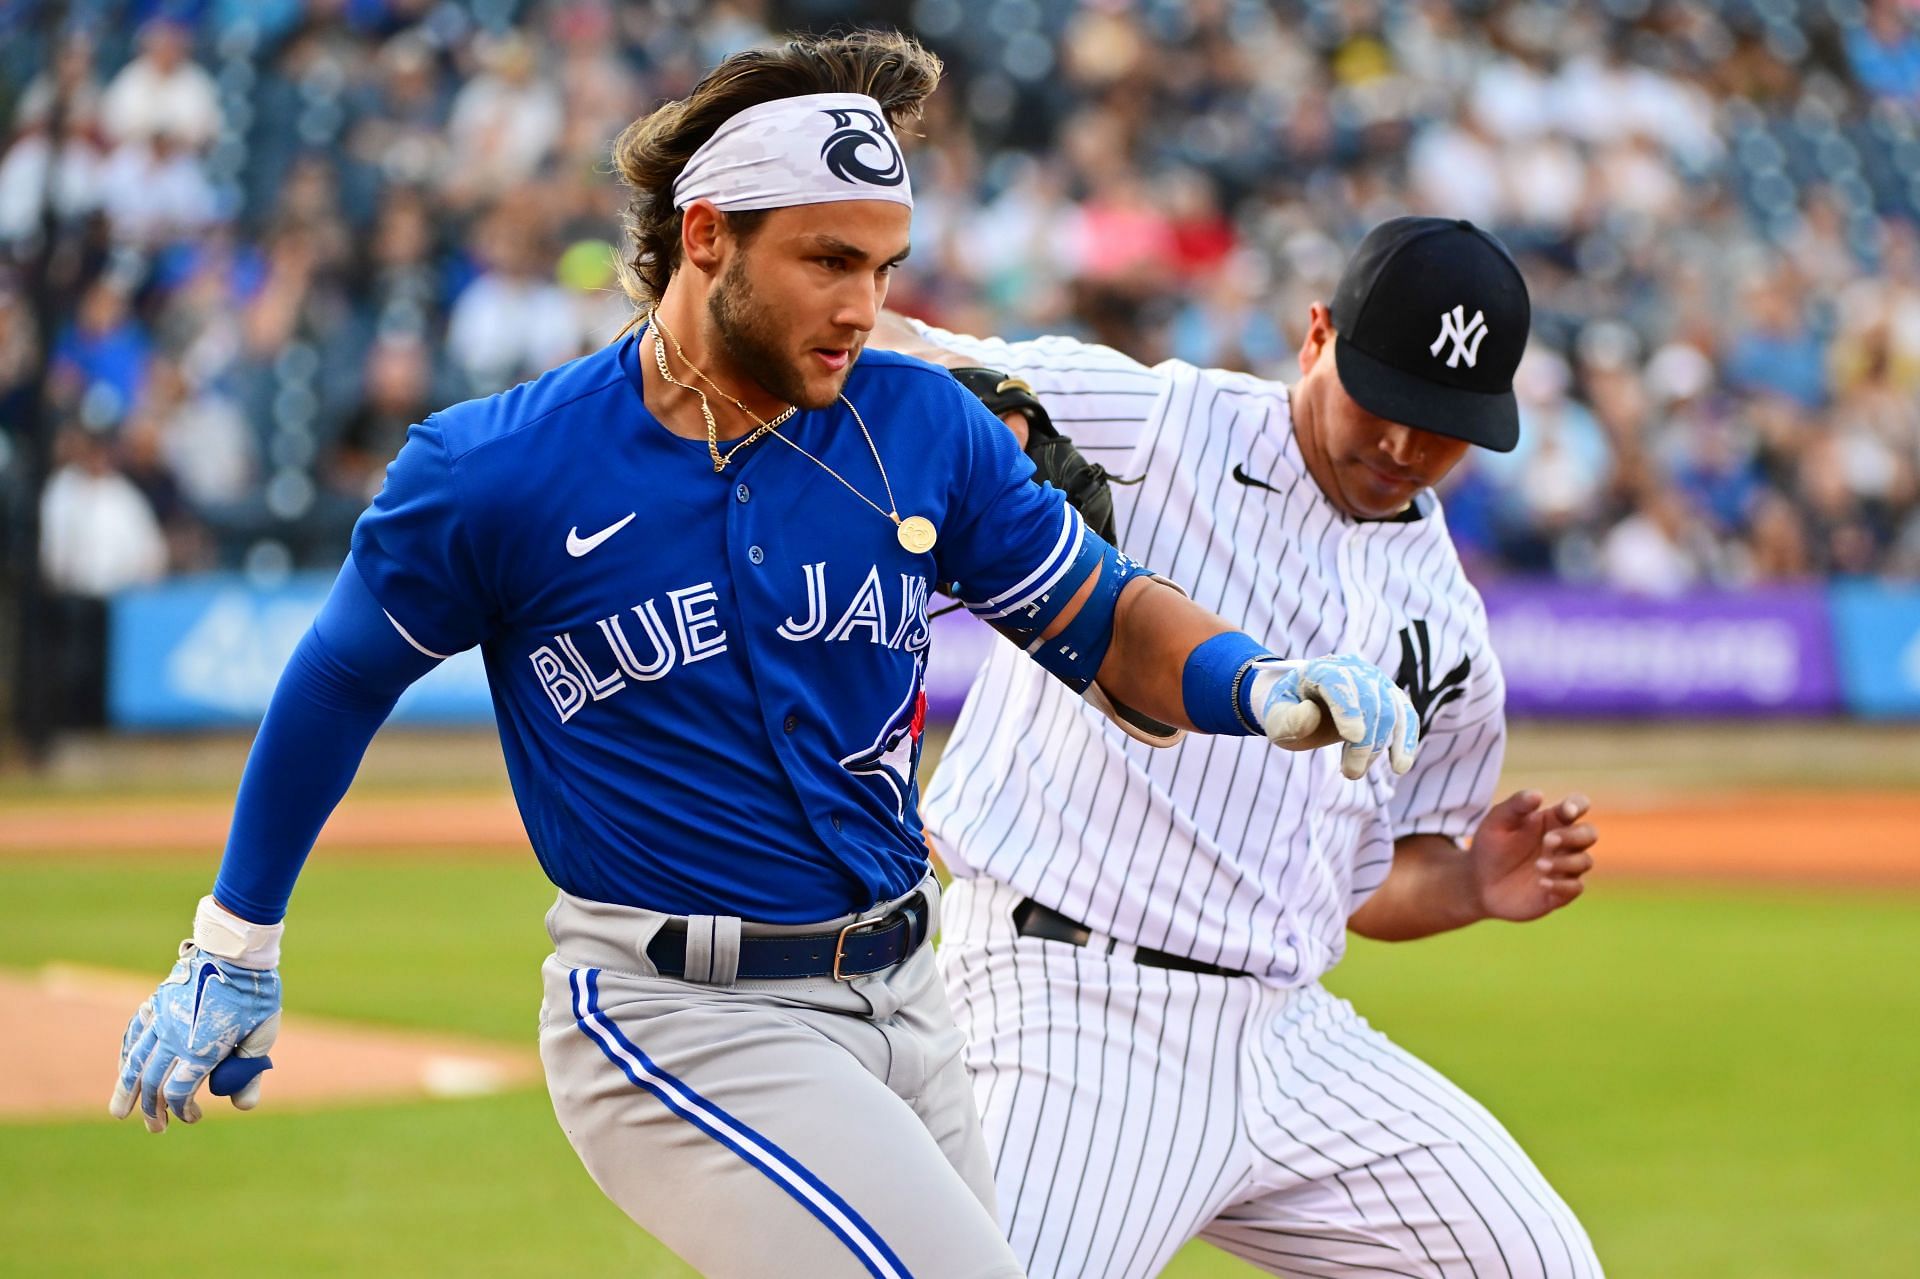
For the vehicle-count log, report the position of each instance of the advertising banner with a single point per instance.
(1575, 651)
(1877, 629)
(961, 643)
(205, 652)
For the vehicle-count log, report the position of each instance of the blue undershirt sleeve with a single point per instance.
(337, 689)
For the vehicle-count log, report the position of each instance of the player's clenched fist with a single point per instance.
(1304, 704)
(210, 1010)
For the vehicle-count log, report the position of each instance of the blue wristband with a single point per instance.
(1213, 686)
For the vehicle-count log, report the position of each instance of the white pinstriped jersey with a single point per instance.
(1223, 849)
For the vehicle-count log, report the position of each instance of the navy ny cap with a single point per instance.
(1432, 316)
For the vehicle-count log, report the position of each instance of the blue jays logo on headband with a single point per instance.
(842, 149)
(765, 157)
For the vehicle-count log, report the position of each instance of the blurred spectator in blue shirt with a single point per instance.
(1717, 470)
(99, 364)
(1885, 52)
(1775, 350)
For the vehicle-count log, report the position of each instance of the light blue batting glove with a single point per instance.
(1294, 700)
(209, 1007)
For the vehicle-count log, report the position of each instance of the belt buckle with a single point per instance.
(840, 948)
(915, 901)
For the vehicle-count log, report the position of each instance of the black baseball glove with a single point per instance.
(1056, 461)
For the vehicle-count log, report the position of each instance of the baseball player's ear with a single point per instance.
(702, 227)
(1319, 336)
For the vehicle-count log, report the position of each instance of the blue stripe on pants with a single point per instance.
(776, 1164)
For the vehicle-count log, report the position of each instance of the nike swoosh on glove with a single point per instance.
(206, 1009)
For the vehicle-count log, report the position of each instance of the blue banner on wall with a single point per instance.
(205, 652)
(1877, 632)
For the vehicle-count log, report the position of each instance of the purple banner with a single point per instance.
(961, 643)
(1573, 651)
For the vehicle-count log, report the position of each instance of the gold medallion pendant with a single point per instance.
(917, 534)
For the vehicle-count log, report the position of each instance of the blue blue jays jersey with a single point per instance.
(709, 687)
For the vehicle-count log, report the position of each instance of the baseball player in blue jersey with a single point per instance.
(697, 564)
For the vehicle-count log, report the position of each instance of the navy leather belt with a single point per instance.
(1031, 919)
(862, 947)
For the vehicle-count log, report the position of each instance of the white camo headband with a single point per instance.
(808, 150)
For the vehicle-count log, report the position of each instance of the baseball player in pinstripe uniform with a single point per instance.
(1135, 936)
(697, 563)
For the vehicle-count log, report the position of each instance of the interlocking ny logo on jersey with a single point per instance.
(1416, 676)
(1466, 334)
(842, 150)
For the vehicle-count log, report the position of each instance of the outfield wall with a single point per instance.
(204, 652)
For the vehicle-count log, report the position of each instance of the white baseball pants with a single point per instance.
(1129, 1109)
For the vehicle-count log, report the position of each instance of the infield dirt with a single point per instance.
(68, 1021)
(1828, 836)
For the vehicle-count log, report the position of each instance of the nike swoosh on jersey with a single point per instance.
(578, 546)
(207, 973)
(1240, 474)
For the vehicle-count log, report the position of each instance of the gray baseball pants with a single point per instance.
(802, 1126)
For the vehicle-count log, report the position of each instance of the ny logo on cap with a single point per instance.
(851, 135)
(1466, 335)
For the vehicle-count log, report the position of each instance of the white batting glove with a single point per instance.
(1294, 701)
(218, 1008)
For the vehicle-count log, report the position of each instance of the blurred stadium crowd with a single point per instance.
(280, 231)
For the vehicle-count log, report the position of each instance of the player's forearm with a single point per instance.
(304, 758)
(1430, 889)
(337, 689)
(1155, 630)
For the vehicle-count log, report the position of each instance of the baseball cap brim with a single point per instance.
(1490, 419)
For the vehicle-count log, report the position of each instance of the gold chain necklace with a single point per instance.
(915, 533)
(720, 459)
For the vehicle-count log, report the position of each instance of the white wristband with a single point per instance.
(219, 931)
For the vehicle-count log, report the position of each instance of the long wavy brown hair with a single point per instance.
(649, 154)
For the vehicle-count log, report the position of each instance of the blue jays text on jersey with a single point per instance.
(708, 687)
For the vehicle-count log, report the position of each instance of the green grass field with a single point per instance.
(1721, 1080)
